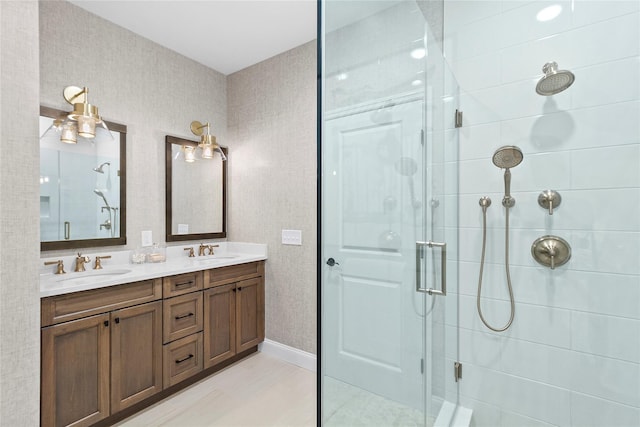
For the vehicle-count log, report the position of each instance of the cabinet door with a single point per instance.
(136, 354)
(219, 324)
(249, 313)
(75, 372)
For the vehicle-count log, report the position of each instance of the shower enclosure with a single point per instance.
(417, 97)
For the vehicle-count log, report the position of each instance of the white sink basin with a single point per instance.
(84, 277)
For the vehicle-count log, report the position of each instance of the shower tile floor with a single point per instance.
(347, 406)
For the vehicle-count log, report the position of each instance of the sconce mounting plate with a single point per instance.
(197, 128)
(74, 95)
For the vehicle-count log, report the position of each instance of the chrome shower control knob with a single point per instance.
(549, 199)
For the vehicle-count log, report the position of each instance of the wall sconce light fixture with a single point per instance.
(84, 121)
(207, 144)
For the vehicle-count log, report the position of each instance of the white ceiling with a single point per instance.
(226, 35)
(229, 35)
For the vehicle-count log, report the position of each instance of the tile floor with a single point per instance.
(258, 391)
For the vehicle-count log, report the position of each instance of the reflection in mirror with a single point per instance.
(82, 189)
(196, 190)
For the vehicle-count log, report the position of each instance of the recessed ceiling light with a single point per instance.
(416, 82)
(342, 76)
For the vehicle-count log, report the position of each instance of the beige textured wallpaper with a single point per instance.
(19, 233)
(265, 114)
(150, 89)
(272, 129)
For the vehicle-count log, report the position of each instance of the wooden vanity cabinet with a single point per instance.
(97, 365)
(233, 311)
(127, 346)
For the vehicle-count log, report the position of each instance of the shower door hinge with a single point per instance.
(422, 366)
(457, 371)
(422, 136)
(458, 119)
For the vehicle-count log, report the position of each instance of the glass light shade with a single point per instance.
(207, 151)
(69, 133)
(103, 134)
(87, 127)
(189, 153)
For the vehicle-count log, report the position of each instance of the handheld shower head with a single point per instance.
(99, 168)
(506, 158)
(101, 194)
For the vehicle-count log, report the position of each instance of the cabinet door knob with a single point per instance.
(106, 323)
(117, 319)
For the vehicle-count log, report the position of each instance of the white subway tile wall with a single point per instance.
(572, 356)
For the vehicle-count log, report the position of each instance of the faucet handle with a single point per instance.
(210, 248)
(191, 254)
(60, 266)
(98, 264)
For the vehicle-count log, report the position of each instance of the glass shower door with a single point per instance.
(388, 215)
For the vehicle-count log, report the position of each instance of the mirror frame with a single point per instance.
(107, 241)
(170, 140)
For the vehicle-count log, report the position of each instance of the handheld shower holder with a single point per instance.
(508, 202)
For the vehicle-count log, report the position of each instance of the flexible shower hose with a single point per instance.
(506, 262)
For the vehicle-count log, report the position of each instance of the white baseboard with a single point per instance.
(289, 354)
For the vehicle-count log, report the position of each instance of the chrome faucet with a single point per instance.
(80, 260)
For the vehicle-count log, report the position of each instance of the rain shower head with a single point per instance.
(554, 80)
(99, 168)
(507, 157)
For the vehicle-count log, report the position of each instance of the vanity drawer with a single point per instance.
(62, 308)
(182, 359)
(233, 273)
(182, 316)
(182, 284)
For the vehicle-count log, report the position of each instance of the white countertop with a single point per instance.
(118, 269)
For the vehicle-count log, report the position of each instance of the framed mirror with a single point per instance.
(196, 193)
(82, 188)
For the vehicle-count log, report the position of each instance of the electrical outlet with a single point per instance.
(146, 237)
(292, 237)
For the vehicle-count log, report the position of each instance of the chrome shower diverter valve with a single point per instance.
(551, 251)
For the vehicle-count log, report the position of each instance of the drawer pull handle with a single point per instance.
(189, 283)
(184, 316)
(184, 359)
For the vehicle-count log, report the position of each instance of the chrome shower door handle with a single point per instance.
(443, 261)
